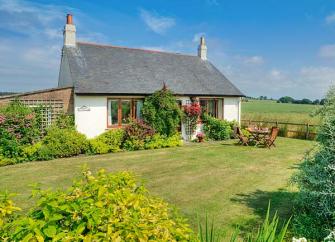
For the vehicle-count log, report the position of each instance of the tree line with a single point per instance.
(288, 99)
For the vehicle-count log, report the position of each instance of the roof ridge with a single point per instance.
(132, 48)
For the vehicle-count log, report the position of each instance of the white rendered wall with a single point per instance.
(232, 109)
(90, 114)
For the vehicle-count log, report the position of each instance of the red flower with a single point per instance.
(192, 109)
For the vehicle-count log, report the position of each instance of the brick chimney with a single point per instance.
(69, 32)
(202, 49)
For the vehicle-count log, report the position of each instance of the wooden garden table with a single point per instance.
(258, 135)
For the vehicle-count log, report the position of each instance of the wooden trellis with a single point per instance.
(50, 110)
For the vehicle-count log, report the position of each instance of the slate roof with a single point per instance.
(100, 69)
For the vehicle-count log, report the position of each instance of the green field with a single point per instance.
(266, 110)
(231, 183)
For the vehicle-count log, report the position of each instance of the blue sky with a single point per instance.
(265, 47)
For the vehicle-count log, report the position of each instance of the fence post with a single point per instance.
(277, 124)
(307, 130)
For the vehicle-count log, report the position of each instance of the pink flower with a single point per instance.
(30, 116)
(200, 135)
(2, 119)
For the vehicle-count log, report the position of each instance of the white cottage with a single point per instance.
(104, 85)
(110, 82)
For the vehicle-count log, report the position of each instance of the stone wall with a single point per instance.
(65, 95)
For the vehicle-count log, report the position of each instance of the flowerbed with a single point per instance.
(22, 141)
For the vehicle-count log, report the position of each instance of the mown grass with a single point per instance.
(231, 183)
(282, 112)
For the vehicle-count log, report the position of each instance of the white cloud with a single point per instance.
(30, 54)
(330, 18)
(158, 24)
(251, 60)
(276, 74)
(327, 51)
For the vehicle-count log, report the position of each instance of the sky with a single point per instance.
(272, 48)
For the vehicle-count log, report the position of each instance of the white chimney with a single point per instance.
(202, 49)
(69, 32)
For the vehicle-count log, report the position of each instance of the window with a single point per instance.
(121, 110)
(213, 107)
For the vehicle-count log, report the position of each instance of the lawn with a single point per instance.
(273, 111)
(232, 184)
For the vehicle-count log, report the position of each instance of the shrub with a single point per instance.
(19, 126)
(105, 207)
(63, 143)
(109, 141)
(65, 121)
(315, 206)
(216, 129)
(135, 135)
(160, 141)
(31, 152)
(162, 112)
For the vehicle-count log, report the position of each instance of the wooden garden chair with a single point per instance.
(239, 135)
(270, 140)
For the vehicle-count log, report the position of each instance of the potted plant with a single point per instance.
(200, 137)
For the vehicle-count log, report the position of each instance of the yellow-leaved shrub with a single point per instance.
(105, 207)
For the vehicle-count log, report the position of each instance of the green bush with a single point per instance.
(31, 152)
(105, 207)
(63, 143)
(136, 133)
(19, 127)
(315, 205)
(160, 141)
(162, 112)
(107, 142)
(217, 129)
(65, 121)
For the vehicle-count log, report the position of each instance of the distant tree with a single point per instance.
(322, 101)
(316, 102)
(306, 101)
(286, 99)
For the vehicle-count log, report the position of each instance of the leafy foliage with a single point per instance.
(159, 141)
(216, 129)
(105, 207)
(161, 111)
(315, 206)
(107, 142)
(64, 142)
(136, 133)
(269, 231)
(19, 126)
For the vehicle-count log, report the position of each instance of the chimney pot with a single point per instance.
(69, 32)
(69, 19)
(202, 49)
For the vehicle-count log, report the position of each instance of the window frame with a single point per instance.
(119, 111)
(216, 106)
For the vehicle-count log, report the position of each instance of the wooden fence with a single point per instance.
(287, 129)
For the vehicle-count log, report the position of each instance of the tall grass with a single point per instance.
(269, 231)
